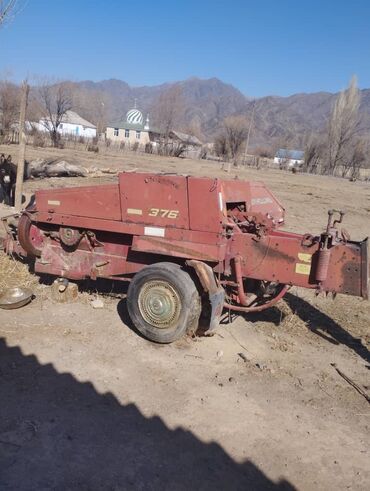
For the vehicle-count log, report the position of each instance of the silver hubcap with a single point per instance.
(159, 304)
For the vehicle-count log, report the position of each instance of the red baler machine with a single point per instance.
(189, 247)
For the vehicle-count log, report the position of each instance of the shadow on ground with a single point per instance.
(316, 320)
(324, 326)
(58, 433)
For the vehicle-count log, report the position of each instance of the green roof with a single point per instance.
(124, 125)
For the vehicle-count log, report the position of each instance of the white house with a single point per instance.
(290, 158)
(72, 124)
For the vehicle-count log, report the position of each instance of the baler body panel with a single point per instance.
(105, 262)
(154, 200)
(279, 257)
(349, 269)
(283, 258)
(101, 202)
(206, 204)
(257, 197)
(179, 248)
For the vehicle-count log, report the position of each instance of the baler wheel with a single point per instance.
(163, 302)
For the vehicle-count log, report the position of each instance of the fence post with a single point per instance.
(22, 148)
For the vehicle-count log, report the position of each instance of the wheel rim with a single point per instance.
(159, 304)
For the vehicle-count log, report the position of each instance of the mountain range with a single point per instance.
(276, 120)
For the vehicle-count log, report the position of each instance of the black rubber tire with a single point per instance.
(188, 313)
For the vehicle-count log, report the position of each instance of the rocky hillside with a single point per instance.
(207, 102)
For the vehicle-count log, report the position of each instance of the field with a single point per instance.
(87, 404)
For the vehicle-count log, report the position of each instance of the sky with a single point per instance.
(262, 47)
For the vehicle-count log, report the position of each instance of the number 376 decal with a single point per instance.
(160, 212)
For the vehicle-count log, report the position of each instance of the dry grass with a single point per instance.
(14, 273)
(290, 320)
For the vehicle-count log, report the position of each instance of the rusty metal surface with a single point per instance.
(128, 228)
(29, 236)
(347, 271)
(118, 229)
(365, 269)
(323, 262)
(205, 274)
(216, 293)
(89, 201)
(154, 199)
(184, 249)
(206, 204)
(280, 258)
(258, 197)
(81, 263)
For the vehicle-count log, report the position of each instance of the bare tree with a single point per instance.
(236, 132)
(355, 159)
(55, 100)
(221, 147)
(168, 109)
(94, 105)
(313, 154)
(194, 128)
(7, 10)
(343, 127)
(9, 105)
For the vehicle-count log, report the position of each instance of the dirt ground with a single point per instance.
(87, 404)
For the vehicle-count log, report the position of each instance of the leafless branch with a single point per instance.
(9, 105)
(7, 10)
(343, 127)
(55, 101)
(168, 109)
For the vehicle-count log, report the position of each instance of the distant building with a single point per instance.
(189, 140)
(72, 124)
(289, 158)
(132, 130)
(191, 144)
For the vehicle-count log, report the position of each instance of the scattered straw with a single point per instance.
(289, 318)
(14, 273)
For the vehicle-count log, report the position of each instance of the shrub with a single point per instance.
(38, 139)
(148, 148)
(93, 148)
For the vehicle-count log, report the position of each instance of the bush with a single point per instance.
(171, 149)
(38, 139)
(203, 153)
(148, 148)
(93, 148)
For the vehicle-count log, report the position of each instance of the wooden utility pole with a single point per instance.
(22, 148)
(249, 133)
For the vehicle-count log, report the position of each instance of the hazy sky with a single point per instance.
(262, 47)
